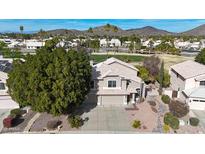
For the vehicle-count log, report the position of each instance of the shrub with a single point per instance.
(75, 121)
(166, 128)
(136, 124)
(53, 124)
(194, 121)
(152, 103)
(171, 120)
(178, 108)
(17, 112)
(165, 99)
(7, 122)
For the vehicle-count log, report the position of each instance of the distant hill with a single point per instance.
(198, 31)
(108, 30)
(112, 30)
(64, 32)
(148, 30)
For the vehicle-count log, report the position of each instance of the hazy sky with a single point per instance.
(30, 25)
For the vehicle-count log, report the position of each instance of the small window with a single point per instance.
(202, 83)
(2, 86)
(111, 84)
(92, 84)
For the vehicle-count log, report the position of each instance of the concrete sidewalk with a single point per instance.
(3, 114)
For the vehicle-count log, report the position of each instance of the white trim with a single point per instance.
(112, 87)
(112, 80)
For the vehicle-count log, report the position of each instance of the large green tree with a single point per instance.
(51, 81)
(201, 57)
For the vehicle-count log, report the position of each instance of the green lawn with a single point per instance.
(125, 58)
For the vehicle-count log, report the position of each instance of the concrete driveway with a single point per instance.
(107, 119)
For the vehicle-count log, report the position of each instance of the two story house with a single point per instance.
(115, 83)
(188, 80)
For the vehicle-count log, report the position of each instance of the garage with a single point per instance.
(106, 100)
(197, 104)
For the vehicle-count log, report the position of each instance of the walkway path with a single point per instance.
(161, 111)
(30, 123)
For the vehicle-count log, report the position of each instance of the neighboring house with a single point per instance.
(188, 82)
(16, 44)
(202, 43)
(110, 43)
(5, 100)
(114, 43)
(34, 44)
(7, 40)
(116, 83)
(103, 43)
(195, 46)
(157, 42)
(181, 44)
(126, 43)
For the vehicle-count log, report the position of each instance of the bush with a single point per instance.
(165, 99)
(17, 112)
(75, 121)
(171, 120)
(152, 103)
(178, 108)
(154, 109)
(7, 122)
(166, 128)
(136, 124)
(194, 121)
(53, 124)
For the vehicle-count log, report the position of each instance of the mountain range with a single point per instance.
(111, 30)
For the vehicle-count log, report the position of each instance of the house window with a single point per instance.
(2, 86)
(92, 84)
(202, 83)
(112, 84)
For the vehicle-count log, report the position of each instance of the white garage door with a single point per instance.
(112, 100)
(197, 105)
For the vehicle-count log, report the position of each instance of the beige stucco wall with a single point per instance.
(191, 83)
(176, 82)
(116, 78)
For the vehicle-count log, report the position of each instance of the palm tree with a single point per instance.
(151, 45)
(21, 29)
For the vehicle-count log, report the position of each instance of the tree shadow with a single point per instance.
(17, 121)
(84, 108)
